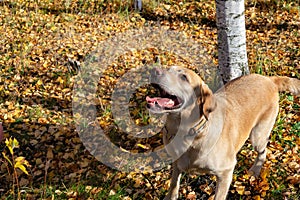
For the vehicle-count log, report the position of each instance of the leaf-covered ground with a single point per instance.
(36, 88)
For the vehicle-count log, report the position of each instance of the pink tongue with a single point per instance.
(162, 102)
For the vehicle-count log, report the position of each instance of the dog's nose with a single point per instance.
(156, 71)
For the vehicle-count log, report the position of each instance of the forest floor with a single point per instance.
(38, 104)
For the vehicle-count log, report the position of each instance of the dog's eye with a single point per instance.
(184, 77)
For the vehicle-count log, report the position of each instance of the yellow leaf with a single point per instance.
(142, 146)
(42, 120)
(20, 163)
(22, 160)
(53, 28)
(40, 82)
(167, 7)
(4, 155)
(11, 106)
(257, 197)
(191, 195)
(240, 190)
(264, 174)
(21, 167)
(138, 183)
(60, 80)
(11, 144)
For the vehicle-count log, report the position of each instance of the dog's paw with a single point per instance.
(254, 171)
(171, 197)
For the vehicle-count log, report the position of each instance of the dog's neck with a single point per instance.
(195, 131)
(198, 127)
(188, 123)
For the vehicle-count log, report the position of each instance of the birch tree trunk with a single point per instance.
(138, 5)
(232, 55)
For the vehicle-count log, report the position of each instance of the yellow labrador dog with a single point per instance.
(205, 131)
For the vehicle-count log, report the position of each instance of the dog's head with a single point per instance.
(180, 88)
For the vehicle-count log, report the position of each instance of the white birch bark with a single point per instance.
(232, 55)
(138, 5)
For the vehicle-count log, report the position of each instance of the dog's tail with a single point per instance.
(287, 84)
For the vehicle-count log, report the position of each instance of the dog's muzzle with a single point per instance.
(167, 99)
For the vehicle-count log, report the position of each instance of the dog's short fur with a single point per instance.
(205, 131)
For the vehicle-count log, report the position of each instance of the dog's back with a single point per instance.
(252, 85)
(251, 100)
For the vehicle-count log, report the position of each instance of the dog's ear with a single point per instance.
(207, 101)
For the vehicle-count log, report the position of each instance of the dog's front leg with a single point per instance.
(223, 183)
(175, 182)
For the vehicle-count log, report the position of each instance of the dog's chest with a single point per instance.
(194, 161)
(181, 147)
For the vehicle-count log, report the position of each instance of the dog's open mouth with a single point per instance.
(166, 101)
